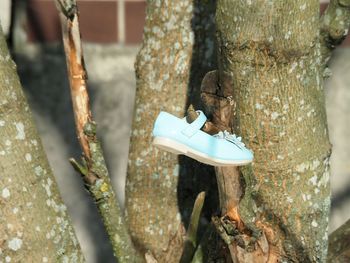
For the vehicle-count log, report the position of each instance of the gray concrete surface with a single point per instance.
(338, 114)
(112, 86)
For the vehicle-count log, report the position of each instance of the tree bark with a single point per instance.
(271, 50)
(177, 51)
(339, 244)
(335, 24)
(34, 224)
(93, 169)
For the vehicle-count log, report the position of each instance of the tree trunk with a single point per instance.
(34, 225)
(178, 49)
(271, 50)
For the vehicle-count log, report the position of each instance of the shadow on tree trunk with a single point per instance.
(195, 177)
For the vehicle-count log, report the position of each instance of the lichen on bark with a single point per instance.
(271, 50)
(178, 49)
(33, 219)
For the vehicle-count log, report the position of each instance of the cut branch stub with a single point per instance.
(217, 94)
(217, 99)
(246, 242)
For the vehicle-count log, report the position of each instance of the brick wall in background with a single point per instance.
(135, 12)
(101, 21)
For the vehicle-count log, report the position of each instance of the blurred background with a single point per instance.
(112, 34)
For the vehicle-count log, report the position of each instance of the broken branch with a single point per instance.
(93, 169)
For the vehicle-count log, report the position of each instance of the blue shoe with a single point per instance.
(178, 136)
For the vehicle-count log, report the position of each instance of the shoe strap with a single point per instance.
(196, 125)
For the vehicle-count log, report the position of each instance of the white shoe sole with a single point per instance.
(179, 148)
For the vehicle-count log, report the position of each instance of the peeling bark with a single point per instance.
(33, 219)
(76, 72)
(93, 169)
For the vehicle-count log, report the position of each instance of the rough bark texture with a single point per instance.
(339, 244)
(178, 50)
(33, 220)
(271, 50)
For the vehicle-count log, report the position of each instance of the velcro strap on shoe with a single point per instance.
(196, 125)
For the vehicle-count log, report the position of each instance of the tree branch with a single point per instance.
(335, 24)
(339, 244)
(93, 169)
(243, 240)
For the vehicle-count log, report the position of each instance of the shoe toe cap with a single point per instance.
(231, 151)
(248, 154)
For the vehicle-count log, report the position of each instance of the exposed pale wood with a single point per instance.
(93, 170)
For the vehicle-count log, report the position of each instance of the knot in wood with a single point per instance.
(218, 98)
